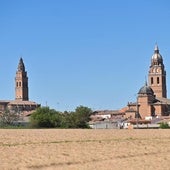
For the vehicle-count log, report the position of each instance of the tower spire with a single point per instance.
(21, 82)
(156, 50)
(21, 66)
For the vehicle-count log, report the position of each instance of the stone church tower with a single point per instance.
(157, 75)
(21, 83)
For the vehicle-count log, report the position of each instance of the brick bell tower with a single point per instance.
(157, 74)
(21, 83)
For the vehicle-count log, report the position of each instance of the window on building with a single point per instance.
(157, 80)
(151, 80)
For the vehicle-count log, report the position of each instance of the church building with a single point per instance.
(152, 98)
(21, 104)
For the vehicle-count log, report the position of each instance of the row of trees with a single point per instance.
(44, 117)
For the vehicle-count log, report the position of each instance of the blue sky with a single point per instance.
(94, 53)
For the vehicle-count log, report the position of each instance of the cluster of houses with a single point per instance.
(114, 119)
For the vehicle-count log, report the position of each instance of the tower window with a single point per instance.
(157, 80)
(20, 84)
(151, 80)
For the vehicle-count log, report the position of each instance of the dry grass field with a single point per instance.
(84, 149)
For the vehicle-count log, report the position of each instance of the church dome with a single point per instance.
(146, 90)
(157, 56)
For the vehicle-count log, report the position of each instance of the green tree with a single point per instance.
(84, 113)
(81, 117)
(46, 118)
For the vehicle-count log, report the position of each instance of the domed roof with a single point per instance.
(156, 56)
(146, 90)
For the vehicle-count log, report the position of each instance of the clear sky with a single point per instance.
(94, 53)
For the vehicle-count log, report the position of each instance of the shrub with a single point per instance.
(8, 117)
(44, 117)
(164, 125)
